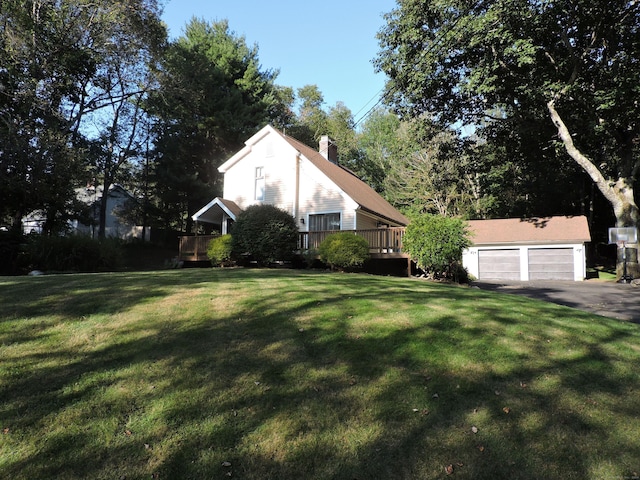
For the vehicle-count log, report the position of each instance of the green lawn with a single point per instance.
(278, 374)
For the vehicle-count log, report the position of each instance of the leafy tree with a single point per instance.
(436, 243)
(54, 57)
(44, 63)
(264, 233)
(381, 142)
(203, 118)
(119, 131)
(311, 122)
(572, 64)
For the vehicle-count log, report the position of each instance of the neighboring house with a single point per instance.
(276, 169)
(548, 248)
(117, 198)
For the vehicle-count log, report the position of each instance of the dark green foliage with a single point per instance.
(203, 119)
(265, 234)
(10, 244)
(76, 253)
(544, 84)
(344, 250)
(435, 243)
(219, 250)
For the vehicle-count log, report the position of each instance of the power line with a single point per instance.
(427, 51)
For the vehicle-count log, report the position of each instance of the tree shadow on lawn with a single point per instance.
(306, 390)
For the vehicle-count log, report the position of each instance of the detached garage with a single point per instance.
(549, 248)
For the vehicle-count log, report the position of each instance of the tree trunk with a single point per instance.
(619, 193)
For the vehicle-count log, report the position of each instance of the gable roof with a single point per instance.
(530, 230)
(91, 194)
(365, 196)
(212, 211)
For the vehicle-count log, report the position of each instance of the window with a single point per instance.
(326, 221)
(259, 183)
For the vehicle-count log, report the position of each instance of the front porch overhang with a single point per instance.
(216, 211)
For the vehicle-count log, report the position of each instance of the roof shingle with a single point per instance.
(360, 192)
(530, 230)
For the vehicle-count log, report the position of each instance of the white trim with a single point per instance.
(247, 149)
(215, 201)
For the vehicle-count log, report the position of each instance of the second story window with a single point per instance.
(259, 184)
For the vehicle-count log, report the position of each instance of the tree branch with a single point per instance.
(586, 164)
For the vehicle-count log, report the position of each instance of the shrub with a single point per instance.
(264, 233)
(344, 250)
(11, 244)
(219, 250)
(435, 243)
(74, 253)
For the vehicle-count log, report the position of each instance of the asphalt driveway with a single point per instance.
(609, 299)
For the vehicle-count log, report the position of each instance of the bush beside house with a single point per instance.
(436, 243)
(219, 250)
(264, 234)
(344, 250)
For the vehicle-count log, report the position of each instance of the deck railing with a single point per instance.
(382, 241)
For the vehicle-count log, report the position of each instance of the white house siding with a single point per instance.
(366, 222)
(278, 160)
(526, 262)
(319, 195)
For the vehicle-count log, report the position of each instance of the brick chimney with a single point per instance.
(328, 149)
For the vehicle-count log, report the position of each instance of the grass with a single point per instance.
(275, 374)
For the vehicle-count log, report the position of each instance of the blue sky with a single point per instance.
(329, 43)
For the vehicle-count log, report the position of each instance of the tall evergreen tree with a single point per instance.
(212, 96)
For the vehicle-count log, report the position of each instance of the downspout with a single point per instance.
(296, 198)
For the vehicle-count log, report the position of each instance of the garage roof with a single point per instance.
(536, 230)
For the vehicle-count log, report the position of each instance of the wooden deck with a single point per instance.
(383, 243)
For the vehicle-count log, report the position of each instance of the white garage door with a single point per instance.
(499, 264)
(551, 264)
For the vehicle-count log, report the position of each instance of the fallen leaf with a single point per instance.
(474, 429)
(506, 410)
(448, 469)
(425, 412)
(5, 430)
(480, 447)
(127, 433)
(523, 385)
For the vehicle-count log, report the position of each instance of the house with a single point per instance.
(547, 248)
(321, 195)
(90, 196)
